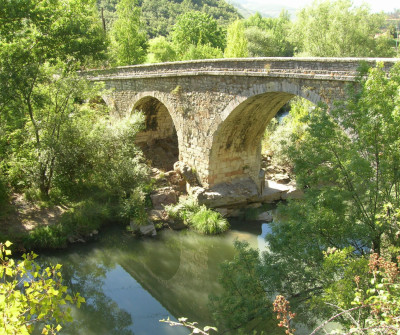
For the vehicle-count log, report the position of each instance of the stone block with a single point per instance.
(163, 196)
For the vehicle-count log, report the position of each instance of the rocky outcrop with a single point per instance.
(243, 192)
(187, 173)
(163, 196)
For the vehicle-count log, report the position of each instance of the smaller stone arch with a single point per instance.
(159, 139)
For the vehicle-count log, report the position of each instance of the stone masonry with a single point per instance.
(219, 108)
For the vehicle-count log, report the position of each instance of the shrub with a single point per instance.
(207, 221)
(200, 218)
(42, 299)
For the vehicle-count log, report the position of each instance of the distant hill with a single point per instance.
(159, 16)
(248, 8)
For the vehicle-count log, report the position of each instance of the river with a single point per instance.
(131, 283)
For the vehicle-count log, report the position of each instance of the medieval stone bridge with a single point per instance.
(218, 109)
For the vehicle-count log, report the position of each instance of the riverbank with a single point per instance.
(43, 225)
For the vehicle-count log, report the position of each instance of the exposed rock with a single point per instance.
(254, 205)
(226, 194)
(282, 178)
(273, 191)
(196, 191)
(148, 230)
(176, 225)
(222, 210)
(156, 215)
(175, 180)
(186, 172)
(234, 213)
(265, 216)
(163, 196)
(293, 193)
(76, 239)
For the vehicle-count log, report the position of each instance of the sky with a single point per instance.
(376, 5)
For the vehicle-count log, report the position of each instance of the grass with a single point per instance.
(79, 221)
(200, 218)
(207, 221)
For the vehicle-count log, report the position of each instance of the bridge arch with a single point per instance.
(236, 146)
(159, 139)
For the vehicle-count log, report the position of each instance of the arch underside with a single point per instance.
(158, 141)
(236, 151)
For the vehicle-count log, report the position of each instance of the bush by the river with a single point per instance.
(198, 217)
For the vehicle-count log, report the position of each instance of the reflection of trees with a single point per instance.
(99, 315)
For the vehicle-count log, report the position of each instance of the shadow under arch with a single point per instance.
(159, 139)
(236, 147)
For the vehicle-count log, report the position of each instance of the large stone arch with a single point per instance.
(236, 146)
(159, 139)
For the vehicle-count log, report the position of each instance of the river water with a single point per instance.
(130, 284)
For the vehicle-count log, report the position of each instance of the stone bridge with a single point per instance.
(218, 109)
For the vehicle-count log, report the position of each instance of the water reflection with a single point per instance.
(131, 284)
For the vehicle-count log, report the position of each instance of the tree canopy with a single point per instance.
(128, 39)
(336, 28)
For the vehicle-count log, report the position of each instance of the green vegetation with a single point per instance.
(41, 303)
(269, 37)
(57, 143)
(160, 30)
(128, 40)
(319, 27)
(197, 217)
(346, 161)
(159, 16)
(279, 136)
(236, 43)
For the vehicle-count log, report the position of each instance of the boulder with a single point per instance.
(186, 172)
(156, 215)
(148, 230)
(163, 196)
(265, 217)
(282, 178)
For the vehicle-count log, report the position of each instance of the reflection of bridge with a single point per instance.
(181, 277)
(220, 108)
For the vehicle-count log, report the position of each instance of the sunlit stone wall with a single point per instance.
(220, 108)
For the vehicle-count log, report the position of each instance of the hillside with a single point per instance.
(159, 15)
(269, 9)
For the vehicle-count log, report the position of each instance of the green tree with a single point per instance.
(161, 15)
(128, 40)
(30, 295)
(41, 42)
(161, 50)
(196, 28)
(334, 28)
(347, 161)
(236, 43)
(268, 37)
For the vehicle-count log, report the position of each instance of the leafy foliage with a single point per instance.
(276, 140)
(161, 50)
(319, 27)
(244, 304)
(159, 16)
(268, 37)
(346, 160)
(196, 28)
(198, 217)
(236, 43)
(128, 40)
(30, 295)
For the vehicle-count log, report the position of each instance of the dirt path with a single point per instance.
(22, 216)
